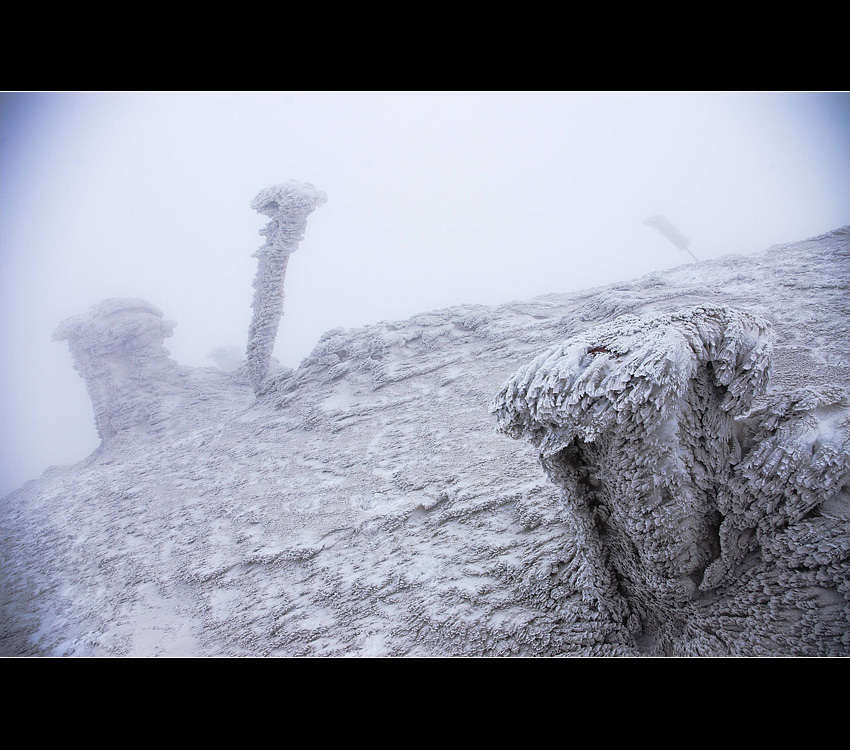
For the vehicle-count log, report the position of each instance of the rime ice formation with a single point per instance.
(671, 232)
(364, 504)
(287, 205)
(227, 358)
(134, 385)
(702, 530)
(117, 347)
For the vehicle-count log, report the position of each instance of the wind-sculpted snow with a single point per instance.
(364, 503)
(287, 205)
(703, 530)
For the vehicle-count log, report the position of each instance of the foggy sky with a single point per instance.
(434, 199)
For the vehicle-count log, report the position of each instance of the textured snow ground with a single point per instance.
(365, 504)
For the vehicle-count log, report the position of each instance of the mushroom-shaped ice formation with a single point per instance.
(680, 498)
(117, 347)
(287, 205)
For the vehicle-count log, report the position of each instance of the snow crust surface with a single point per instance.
(682, 490)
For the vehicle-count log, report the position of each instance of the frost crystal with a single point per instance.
(704, 528)
(287, 205)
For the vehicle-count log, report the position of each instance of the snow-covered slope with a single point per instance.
(366, 504)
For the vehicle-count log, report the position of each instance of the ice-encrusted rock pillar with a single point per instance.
(635, 421)
(287, 205)
(710, 514)
(117, 347)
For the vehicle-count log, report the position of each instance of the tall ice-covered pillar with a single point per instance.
(287, 205)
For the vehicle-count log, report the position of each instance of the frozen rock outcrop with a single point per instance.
(117, 347)
(704, 528)
(287, 205)
(365, 506)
